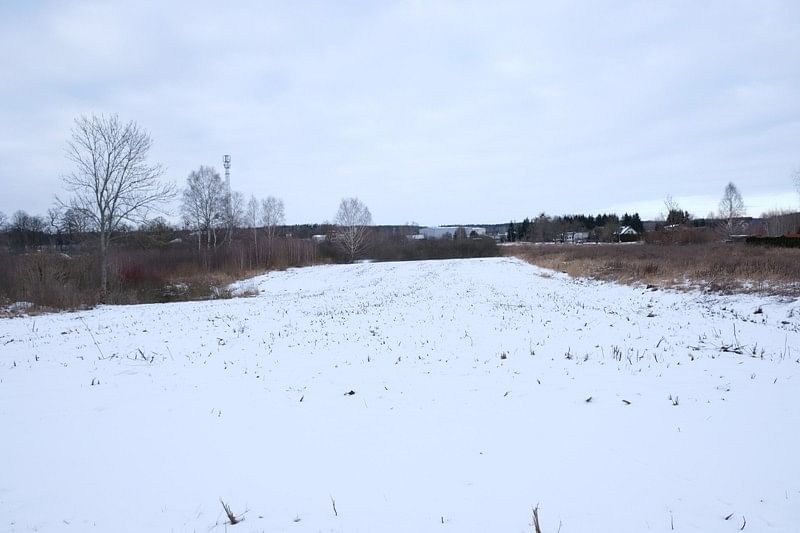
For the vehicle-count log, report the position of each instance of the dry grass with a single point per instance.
(50, 280)
(718, 267)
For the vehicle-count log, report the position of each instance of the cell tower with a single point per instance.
(226, 162)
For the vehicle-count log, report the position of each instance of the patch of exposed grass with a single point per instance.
(717, 267)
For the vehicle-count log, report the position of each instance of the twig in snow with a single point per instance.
(731, 349)
(536, 527)
(232, 518)
(729, 516)
(333, 503)
(93, 339)
(744, 523)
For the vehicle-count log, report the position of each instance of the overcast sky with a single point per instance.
(434, 112)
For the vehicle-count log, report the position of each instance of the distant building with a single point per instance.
(473, 231)
(626, 234)
(437, 233)
(753, 226)
(573, 237)
(626, 230)
(319, 238)
(447, 232)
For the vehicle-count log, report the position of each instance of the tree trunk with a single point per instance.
(255, 244)
(103, 265)
(269, 249)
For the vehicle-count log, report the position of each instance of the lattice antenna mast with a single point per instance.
(226, 162)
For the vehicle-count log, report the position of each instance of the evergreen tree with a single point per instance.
(636, 223)
(511, 233)
(524, 230)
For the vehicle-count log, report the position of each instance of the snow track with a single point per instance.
(482, 387)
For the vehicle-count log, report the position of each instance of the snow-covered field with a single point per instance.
(481, 388)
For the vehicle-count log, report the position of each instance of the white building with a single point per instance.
(447, 232)
(574, 237)
(626, 230)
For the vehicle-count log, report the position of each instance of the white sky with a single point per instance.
(434, 112)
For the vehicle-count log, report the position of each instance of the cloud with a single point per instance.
(429, 111)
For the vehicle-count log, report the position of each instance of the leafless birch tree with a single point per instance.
(234, 214)
(272, 216)
(253, 217)
(112, 183)
(203, 203)
(352, 226)
(731, 207)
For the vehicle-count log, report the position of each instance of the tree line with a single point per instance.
(544, 228)
(113, 188)
(727, 221)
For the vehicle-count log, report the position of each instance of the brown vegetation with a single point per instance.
(165, 265)
(402, 249)
(720, 267)
(70, 280)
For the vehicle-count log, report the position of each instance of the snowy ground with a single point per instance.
(482, 387)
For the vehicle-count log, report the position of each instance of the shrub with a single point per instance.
(721, 266)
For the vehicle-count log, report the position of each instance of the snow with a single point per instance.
(472, 381)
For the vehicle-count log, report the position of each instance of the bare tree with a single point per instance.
(253, 217)
(674, 215)
(112, 183)
(670, 204)
(54, 216)
(74, 222)
(54, 225)
(236, 215)
(26, 230)
(731, 207)
(3, 221)
(233, 213)
(272, 216)
(252, 214)
(781, 221)
(352, 226)
(203, 203)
